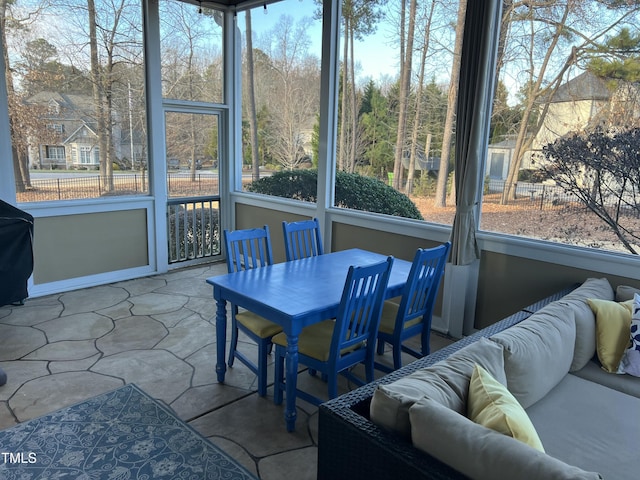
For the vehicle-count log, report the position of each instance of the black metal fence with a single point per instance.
(83, 186)
(74, 187)
(532, 196)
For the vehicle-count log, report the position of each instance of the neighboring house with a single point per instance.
(430, 164)
(577, 104)
(581, 102)
(499, 159)
(71, 118)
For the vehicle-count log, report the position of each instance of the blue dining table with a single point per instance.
(294, 295)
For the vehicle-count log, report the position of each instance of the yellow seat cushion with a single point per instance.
(613, 329)
(257, 324)
(314, 341)
(490, 404)
(389, 315)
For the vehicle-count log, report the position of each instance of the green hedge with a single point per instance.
(352, 191)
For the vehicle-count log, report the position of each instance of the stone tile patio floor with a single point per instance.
(159, 333)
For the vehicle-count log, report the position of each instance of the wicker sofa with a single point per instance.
(352, 446)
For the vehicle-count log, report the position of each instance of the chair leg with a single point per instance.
(263, 349)
(380, 347)
(278, 377)
(426, 341)
(234, 344)
(332, 383)
(397, 357)
(368, 368)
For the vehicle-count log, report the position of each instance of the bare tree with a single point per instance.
(20, 122)
(292, 79)
(104, 137)
(405, 87)
(420, 90)
(536, 88)
(602, 170)
(359, 18)
(452, 101)
(187, 31)
(251, 99)
(552, 37)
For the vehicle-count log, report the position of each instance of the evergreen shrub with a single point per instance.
(352, 191)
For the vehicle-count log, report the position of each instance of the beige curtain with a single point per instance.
(475, 98)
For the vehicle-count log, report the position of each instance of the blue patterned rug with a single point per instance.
(120, 435)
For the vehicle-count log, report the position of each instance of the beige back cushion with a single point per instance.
(585, 344)
(481, 453)
(625, 292)
(446, 382)
(538, 352)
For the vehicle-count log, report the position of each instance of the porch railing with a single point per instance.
(193, 225)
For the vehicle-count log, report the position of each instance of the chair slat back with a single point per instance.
(302, 239)
(422, 285)
(249, 248)
(360, 307)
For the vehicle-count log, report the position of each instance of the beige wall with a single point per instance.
(79, 245)
(506, 283)
(509, 283)
(387, 243)
(344, 236)
(252, 217)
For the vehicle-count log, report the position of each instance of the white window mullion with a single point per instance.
(156, 139)
(328, 113)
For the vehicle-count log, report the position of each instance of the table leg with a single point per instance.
(221, 338)
(291, 368)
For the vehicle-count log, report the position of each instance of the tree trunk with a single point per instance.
(97, 95)
(251, 101)
(405, 84)
(418, 110)
(452, 101)
(108, 115)
(354, 109)
(21, 181)
(342, 147)
(194, 147)
(535, 92)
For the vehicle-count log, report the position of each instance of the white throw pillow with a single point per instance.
(630, 362)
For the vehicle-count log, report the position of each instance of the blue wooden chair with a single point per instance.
(246, 249)
(331, 347)
(413, 314)
(302, 239)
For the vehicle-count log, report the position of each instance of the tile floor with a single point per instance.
(157, 332)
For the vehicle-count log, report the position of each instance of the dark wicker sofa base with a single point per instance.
(352, 447)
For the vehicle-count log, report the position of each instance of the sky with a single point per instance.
(375, 57)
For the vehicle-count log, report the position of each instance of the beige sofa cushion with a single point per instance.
(446, 382)
(585, 342)
(623, 383)
(538, 352)
(625, 292)
(481, 453)
(590, 426)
